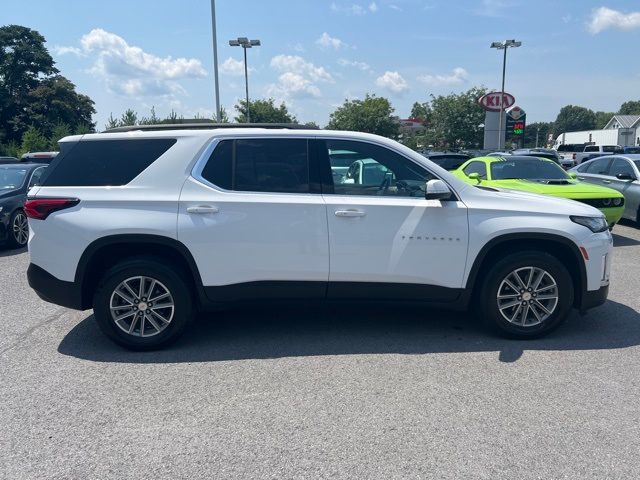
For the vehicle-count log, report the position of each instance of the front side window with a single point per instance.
(476, 167)
(621, 166)
(260, 165)
(377, 171)
(592, 148)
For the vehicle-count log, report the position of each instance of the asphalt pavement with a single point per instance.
(306, 392)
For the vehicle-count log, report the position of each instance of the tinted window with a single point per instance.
(599, 166)
(449, 162)
(612, 148)
(529, 168)
(632, 150)
(583, 168)
(592, 148)
(619, 165)
(271, 165)
(218, 167)
(379, 171)
(476, 167)
(104, 162)
(35, 176)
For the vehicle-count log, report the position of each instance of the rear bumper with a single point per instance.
(594, 298)
(53, 290)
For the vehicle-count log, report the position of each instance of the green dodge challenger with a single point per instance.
(537, 175)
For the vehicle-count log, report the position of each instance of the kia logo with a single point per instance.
(491, 101)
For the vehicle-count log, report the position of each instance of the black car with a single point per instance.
(8, 160)
(15, 181)
(540, 153)
(447, 160)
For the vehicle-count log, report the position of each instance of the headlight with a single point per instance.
(595, 224)
(0, 209)
(617, 201)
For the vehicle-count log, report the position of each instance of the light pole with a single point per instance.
(245, 43)
(215, 60)
(503, 46)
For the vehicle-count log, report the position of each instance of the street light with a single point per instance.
(215, 60)
(503, 46)
(245, 43)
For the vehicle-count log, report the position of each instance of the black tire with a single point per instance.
(16, 235)
(488, 295)
(167, 278)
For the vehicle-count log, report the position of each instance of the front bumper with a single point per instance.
(53, 290)
(594, 298)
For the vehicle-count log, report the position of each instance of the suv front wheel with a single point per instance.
(526, 295)
(142, 304)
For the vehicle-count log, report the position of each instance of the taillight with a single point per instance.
(41, 208)
(573, 156)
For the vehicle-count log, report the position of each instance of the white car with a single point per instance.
(146, 226)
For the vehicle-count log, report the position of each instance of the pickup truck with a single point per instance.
(593, 151)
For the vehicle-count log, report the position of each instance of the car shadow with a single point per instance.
(253, 333)
(10, 252)
(622, 241)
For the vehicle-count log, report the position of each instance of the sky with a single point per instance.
(317, 53)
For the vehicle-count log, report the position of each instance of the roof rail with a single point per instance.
(206, 126)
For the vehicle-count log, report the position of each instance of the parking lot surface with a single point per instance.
(325, 392)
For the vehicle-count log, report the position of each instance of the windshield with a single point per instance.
(528, 169)
(11, 178)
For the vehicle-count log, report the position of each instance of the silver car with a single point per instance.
(621, 172)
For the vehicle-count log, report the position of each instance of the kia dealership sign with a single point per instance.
(494, 100)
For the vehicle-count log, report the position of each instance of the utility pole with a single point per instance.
(503, 46)
(215, 60)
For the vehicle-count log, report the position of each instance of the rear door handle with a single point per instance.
(203, 209)
(350, 213)
(606, 181)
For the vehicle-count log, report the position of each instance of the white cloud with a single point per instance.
(343, 62)
(393, 6)
(234, 67)
(327, 41)
(458, 76)
(61, 50)
(494, 8)
(297, 79)
(393, 82)
(297, 64)
(130, 71)
(353, 8)
(604, 18)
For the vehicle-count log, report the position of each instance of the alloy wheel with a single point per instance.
(141, 306)
(20, 229)
(527, 296)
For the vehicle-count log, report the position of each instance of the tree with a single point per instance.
(56, 101)
(573, 118)
(111, 122)
(602, 118)
(543, 129)
(632, 107)
(61, 130)
(34, 141)
(421, 111)
(372, 115)
(263, 111)
(456, 118)
(24, 61)
(128, 118)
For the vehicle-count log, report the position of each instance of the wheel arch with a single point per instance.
(106, 252)
(557, 245)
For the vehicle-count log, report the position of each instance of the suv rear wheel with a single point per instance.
(142, 304)
(526, 295)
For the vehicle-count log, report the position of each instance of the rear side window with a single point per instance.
(621, 166)
(99, 163)
(592, 148)
(260, 165)
(599, 166)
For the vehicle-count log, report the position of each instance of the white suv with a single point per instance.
(146, 226)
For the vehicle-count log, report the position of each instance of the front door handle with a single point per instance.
(203, 209)
(350, 213)
(606, 181)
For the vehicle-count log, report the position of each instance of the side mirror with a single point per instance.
(625, 176)
(475, 176)
(573, 175)
(437, 190)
